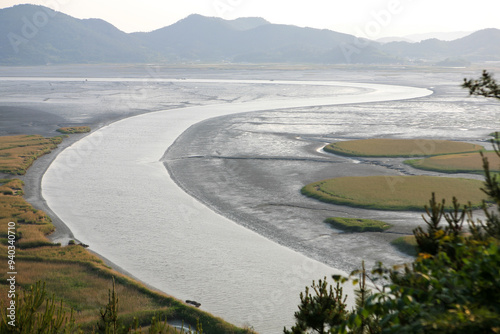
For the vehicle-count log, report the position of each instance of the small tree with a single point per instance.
(430, 241)
(36, 313)
(492, 188)
(320, 312)
(109, 314)
(360, 320)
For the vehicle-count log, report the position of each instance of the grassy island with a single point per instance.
(409, 193)
(457, 163)
(380, 147)
(74, 129)
(357, 224)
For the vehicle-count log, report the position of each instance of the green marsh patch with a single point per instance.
(380, 147)
(457, 163)
(401, 193)
(357, 224)
(406, 244)
(74, 129)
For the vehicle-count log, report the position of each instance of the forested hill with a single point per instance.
(37, 35)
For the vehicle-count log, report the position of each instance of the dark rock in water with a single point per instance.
(192, 302)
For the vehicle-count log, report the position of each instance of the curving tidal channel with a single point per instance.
(112, 190)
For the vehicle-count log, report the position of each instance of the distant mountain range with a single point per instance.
(37, 35)
(414, 38)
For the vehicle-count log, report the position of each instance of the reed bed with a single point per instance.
(380, 147)
(457, 163)
(408, 193)
(81, 289)
(32, 225)
(357, 224)
(17, 153)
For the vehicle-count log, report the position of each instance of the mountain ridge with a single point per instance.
(37, 35)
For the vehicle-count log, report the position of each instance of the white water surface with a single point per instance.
(114, 193)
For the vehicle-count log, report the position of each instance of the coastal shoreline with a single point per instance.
(33, 195)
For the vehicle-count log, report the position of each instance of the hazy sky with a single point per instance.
(366, 18)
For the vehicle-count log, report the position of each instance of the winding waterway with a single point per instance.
(114, 193)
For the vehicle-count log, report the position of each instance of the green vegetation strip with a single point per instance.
(457, 163)
(74, 129)
(406, 244)
(358, 225)
(400, 147)
(409, 193)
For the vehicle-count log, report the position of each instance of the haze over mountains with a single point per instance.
(414, 38)
(37, 35)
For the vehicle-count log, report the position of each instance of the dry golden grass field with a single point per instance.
(457, 163)
(17, 153)
(379, 147)
(395, 192)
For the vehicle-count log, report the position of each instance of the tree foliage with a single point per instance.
(37, 313)
(322, 311)
(453, 286)
(484, 86)
(109, 313)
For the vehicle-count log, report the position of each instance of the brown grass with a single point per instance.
(394, 192)
(75, 253)
(32, 225)
(17, 153)
(457, 163)
(80, 288)
(379, 147)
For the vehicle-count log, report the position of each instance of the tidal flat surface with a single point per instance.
(259, 162)
(247, 167)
